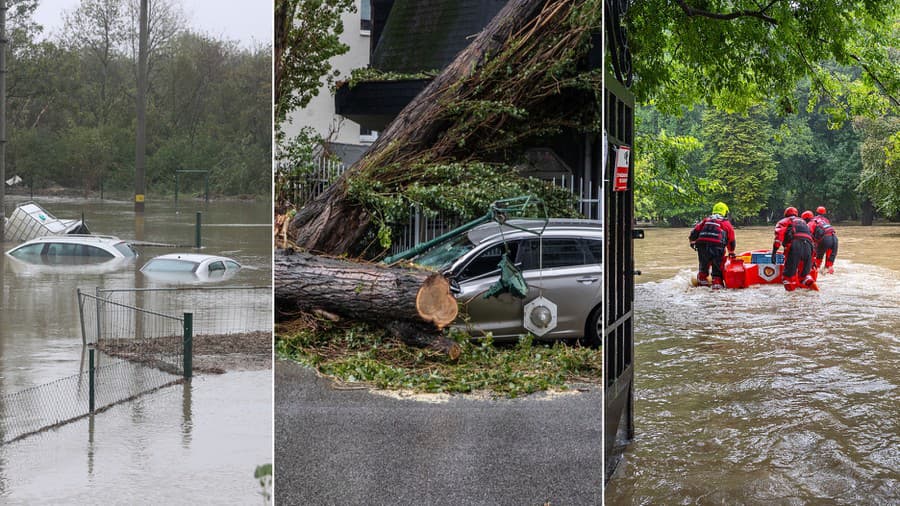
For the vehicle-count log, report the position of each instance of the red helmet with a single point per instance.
(791, 211)
(821, 210)
(807, 215)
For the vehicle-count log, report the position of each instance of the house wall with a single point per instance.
(320, 114)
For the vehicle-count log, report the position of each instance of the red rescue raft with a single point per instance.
(756, 268)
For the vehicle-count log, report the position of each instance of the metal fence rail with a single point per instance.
(132, 352)
(217, 310)
(305, 187)
(301, 189)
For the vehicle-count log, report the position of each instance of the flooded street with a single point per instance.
(760, 395)
(168, 438)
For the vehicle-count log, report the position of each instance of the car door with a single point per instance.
(500, 315)
(569, 276)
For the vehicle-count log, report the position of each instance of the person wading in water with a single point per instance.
(797, 239)
(710, 238)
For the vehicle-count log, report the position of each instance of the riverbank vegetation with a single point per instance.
(71, 105)
(764, 105)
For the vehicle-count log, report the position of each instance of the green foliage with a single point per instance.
(740, 53)
(817, 161)
(307, 36)
(463, 190)
(665, 184)
(71, 111)
(295, 157)
(362, 354)
(740, 157)
(263, 473)
(372, 74)
(880, 153)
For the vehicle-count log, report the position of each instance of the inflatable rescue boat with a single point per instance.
(756, 268)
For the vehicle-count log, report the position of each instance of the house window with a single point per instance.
(366, 135)
(365, 16)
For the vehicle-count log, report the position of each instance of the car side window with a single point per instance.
(594, 250)
(487, 260)
(32, 250)
(217, 266)
(558, 252)
(93, 251)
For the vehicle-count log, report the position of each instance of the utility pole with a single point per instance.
(140, 145)
(2, 120)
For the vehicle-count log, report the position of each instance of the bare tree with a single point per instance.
(99, 29)
(166, 21)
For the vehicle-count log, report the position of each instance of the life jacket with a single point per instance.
(797, 229)
(822, 228)
(710, 231)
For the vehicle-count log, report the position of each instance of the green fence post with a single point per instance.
(197, 232)
(188, 345)
(91, 379)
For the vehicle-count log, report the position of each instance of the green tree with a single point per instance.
(307, 36)
(740, 156)
(880, 153)
(737, 53)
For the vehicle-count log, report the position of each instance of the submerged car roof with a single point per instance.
(79, 238)
(483, 232)
(191, 257)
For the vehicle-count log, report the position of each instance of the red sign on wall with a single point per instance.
(620, 177)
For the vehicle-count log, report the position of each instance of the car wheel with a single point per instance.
(592, 329)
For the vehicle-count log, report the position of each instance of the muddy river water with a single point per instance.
(760, 396)
(197, 443)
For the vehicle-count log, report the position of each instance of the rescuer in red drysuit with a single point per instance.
(825, 239)
(710, 237)
(797, 239)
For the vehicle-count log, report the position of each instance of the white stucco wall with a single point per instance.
(319, 114)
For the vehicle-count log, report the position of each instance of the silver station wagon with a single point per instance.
(66, 249)
(560, 261)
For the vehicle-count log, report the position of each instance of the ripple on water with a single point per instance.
(764, 395)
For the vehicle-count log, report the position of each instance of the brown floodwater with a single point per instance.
(196, 443)
(760, 395)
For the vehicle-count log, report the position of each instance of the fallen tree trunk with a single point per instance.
(413, 304)
(332, 223)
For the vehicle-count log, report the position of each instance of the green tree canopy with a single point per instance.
(737, 53)
(740, 156)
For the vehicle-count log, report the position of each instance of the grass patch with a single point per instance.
(363, 354)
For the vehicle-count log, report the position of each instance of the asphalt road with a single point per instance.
(352, 447)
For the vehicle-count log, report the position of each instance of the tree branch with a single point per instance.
(893, 100)
(760, 14)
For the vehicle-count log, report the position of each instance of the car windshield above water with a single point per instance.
(187, 267)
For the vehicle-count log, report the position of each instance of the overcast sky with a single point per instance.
(247, 21)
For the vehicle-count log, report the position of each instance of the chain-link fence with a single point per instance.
(132, 352)
(225, 310)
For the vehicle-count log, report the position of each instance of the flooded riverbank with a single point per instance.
(197, 443)
(760, 395)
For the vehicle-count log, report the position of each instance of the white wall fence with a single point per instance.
(420, 228)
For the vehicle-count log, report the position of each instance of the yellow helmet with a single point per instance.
(720, 208)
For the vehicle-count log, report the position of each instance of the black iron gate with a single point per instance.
(618, 344)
